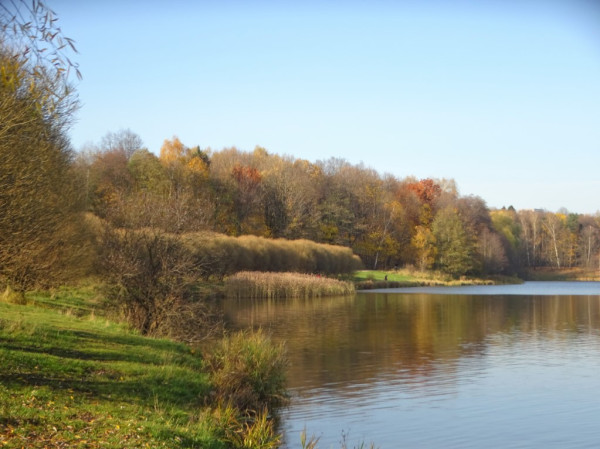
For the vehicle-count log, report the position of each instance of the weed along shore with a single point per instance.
(284, 285)
(76, 373)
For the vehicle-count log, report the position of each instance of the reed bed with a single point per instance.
(269, 285)
(223, 255)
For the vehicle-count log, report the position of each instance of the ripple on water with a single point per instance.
(434, 371)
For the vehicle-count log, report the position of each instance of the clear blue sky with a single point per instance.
(501, 96)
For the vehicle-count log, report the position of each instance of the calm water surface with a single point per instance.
(494, 367)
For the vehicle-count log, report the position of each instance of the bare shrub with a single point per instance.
(150, 276)
(192, 322)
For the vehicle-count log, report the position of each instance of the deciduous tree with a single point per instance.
(123, 140)
(37, 201)
(455, 248)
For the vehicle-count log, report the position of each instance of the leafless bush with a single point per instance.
(193, 322)
(151, 278)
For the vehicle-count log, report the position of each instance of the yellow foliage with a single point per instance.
(197, 166)
(424, 242)
(172, 150)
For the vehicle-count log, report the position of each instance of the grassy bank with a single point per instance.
(70, 378)
(371, 279)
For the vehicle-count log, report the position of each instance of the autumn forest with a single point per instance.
(388, 222)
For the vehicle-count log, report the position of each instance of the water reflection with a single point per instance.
(369, 361)
(328, 339)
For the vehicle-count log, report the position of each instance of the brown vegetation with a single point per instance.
(223, 255)
(152, 276)
(386, 221)
(248, 371)
(39, 224)
(284, 285)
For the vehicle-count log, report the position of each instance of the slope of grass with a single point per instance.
(71, 379)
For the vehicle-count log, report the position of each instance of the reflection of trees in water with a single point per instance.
(371, 336)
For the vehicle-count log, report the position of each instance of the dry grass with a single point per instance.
(563, 274)
(221, 255)
(9, 296)
(247, 371)
(252, 284)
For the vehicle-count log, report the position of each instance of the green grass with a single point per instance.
(69, 378)
(376, 275)
(370, 279)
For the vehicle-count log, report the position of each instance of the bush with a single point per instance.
(150, 276)
(248, 372)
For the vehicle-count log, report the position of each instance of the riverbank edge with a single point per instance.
(378, 279)
(74, 376)
(562, 274)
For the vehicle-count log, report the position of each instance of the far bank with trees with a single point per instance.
(386, 221)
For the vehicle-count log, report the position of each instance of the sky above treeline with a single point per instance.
(501, 96)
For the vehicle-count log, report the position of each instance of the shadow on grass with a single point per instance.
(13, 422)
(117, 368)
(148, 391)
(111, 348)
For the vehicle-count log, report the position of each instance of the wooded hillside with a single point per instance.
(385, 220)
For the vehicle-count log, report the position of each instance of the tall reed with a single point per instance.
(252, 284)
(221, 255)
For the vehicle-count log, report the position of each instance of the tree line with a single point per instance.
(386, 221)
(48, 192)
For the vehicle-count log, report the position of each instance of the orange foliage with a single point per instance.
(426, 190)
(246, 176)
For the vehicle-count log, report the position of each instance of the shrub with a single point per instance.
(150, 275)
(248, 372)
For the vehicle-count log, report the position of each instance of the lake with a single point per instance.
(513, 366)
